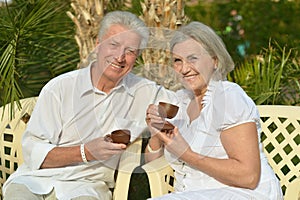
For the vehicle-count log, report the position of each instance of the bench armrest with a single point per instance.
(160, 175)
(129, 160)
(293, 190)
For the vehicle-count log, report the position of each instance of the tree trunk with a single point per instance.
(87, 16)
(162, 17)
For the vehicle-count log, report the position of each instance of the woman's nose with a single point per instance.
(185, 67)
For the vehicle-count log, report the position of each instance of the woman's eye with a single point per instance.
(131, 50)
(177, 60)
(193, 58)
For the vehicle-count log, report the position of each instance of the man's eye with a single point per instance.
(114, 44)
(131, 51)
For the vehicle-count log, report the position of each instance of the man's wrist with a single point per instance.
(83, 155)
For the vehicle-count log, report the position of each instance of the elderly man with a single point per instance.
(65, 152)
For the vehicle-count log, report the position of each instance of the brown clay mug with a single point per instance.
(120, 136)
(165, 127)
(167, 110)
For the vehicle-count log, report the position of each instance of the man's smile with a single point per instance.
(115, 65)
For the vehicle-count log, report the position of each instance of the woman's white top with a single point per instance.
(225, 105)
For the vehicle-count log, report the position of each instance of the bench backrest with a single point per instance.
(11, 130)
(281, 139)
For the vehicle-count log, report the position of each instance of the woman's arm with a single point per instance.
(242, 167)
(154, 149)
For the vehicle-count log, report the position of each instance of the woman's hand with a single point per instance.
(175, 143)
(153, 117)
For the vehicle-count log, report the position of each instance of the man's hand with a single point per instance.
(101, 149)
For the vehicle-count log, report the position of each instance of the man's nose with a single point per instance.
(120, 54)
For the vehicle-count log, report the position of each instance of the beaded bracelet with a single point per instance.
(83, 153)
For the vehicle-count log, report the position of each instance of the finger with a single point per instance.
(153, 130)
(153, 110)
(163, 137)
(175, 131)
(149, 109)
(117, 146)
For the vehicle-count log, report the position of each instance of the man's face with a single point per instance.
(117, 52)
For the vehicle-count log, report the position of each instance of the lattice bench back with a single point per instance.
(281, 139)
(11, 131)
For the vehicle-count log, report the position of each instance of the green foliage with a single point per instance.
(270, 78)
(36, 44)
(261, 20)
(273, 76)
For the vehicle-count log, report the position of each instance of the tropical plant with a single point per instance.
(36, 44)
(271, 77)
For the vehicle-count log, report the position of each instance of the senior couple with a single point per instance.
(214, 148)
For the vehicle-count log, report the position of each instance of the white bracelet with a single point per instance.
(153, 151)
(83, 153)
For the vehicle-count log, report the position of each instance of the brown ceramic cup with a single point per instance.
(120, 136)
(164, 127)
(167, 110)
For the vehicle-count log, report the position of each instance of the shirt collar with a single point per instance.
(125, 83)
(186, 95)
(85, 85)
(84, 80)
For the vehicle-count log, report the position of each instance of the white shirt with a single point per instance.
(225, 105)
(70, 111)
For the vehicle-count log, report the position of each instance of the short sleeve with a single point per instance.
(239, 108)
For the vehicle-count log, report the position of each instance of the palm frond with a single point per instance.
(36, 44)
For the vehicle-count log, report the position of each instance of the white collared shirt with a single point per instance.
(70, 111)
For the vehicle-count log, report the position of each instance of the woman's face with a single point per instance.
(193, 64)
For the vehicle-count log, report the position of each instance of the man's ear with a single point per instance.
(97, 45)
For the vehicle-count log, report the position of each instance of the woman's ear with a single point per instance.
(215, 62)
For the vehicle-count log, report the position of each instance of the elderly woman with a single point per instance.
(215, 147)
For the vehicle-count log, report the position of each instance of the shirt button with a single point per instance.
(182, 166)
